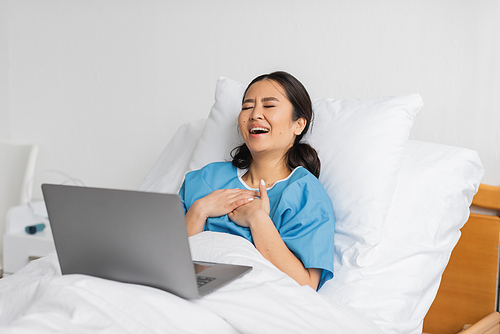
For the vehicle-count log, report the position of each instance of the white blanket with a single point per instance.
(37, 299)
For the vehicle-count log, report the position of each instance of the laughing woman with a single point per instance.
(269, 193)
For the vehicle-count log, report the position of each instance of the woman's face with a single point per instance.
(265, 119)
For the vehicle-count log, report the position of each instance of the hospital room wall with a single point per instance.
(4, 74)
(101, 86)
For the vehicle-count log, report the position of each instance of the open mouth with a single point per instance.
(258, 130)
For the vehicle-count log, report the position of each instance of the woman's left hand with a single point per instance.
(246, 214)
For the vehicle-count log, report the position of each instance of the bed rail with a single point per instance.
(487, 197)
(488, 325)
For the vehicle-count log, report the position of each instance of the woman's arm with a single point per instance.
(217, 203)
(269, 243)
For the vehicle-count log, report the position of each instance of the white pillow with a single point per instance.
(434, 189)
(168, 172)
(360, 143)
(221, 133)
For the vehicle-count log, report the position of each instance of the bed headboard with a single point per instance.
(469, 285)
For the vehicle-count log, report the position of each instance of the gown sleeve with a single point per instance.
(306, 224)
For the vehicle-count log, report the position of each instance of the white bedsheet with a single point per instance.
(37, 299)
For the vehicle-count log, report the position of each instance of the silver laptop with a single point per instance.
(130, 236)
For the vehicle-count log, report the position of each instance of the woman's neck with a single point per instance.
(269, 171)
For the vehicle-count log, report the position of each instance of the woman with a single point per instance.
(269, 193)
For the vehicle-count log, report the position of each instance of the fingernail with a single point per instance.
(250, 199)
(262, 182)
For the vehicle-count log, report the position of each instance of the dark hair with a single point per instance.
(300, 154)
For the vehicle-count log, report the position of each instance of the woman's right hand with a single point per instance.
(217, 203)
(221, 202)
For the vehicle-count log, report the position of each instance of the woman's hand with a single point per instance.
(246, 214)
(217, 203)
(223, 201)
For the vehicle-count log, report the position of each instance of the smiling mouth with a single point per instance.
(257, 131)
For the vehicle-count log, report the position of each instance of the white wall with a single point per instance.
(102, 86)
(4, 73)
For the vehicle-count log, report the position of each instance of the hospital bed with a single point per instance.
(399, 204)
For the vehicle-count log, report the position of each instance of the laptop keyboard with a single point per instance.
(202, 280)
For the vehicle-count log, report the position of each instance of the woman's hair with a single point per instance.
(300, 154)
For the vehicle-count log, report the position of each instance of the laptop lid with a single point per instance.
(128, 236)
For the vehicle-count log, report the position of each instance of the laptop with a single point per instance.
(132, 237)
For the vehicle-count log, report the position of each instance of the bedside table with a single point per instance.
(19, 247)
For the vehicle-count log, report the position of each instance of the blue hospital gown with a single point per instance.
(301, 210)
